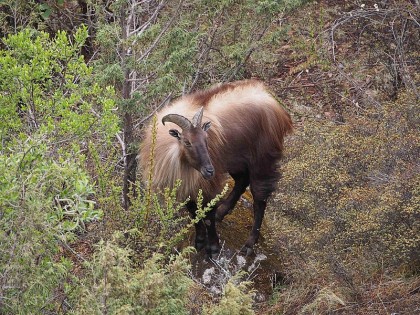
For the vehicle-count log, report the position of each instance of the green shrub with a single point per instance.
(51, 112)
(114, 285)
(42, 202)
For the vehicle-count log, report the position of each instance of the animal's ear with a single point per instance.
(175, 133)
(206, 125)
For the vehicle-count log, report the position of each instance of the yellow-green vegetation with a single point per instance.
(349, 196)
(237, 299)
(355, 184)
(349, 209)
(115, 285)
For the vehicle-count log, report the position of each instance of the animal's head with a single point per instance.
(193, 140)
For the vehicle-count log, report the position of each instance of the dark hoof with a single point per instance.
(214, 256)
(219, 217)
(246, 251)
(213, 251)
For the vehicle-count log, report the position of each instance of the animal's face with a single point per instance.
(194, 145)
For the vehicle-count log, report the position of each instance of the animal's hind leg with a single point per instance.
(259, 209)
(261, 188)
(227, 205)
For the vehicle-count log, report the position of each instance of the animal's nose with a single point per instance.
(208, 172)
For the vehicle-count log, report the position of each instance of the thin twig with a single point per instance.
(78, 256)
(157, 40)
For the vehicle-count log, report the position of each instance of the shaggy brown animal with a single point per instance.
(242, 134)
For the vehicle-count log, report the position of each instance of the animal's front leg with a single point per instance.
(200, 236)
(227, 205)
(200, 228)
(213, 246)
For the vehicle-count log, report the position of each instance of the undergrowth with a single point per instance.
(346, 213)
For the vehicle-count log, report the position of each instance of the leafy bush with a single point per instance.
(51, 112)
(33, 226)
(46, 88)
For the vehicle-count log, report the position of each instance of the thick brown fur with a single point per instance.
(245, 140)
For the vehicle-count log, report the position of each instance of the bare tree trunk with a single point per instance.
(130, 163)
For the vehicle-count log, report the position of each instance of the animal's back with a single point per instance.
(251, 119)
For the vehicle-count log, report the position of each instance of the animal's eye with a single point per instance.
(187, 143)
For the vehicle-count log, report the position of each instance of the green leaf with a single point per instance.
(46, 10)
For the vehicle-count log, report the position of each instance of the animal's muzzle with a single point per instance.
(207, 171)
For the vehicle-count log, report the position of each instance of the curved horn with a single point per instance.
(196, 121)
(179, 120)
